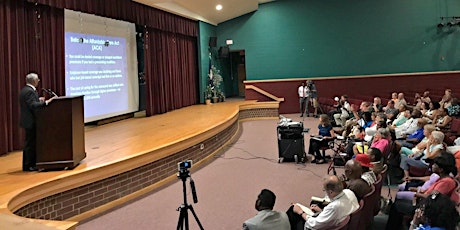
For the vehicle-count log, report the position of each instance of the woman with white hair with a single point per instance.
(432, 150)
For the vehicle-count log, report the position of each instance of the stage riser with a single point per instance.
(68, 204)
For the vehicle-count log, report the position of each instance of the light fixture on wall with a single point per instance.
(451, 22)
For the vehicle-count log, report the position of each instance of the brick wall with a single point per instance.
(76, 201)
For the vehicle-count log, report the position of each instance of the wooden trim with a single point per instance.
(261, 91)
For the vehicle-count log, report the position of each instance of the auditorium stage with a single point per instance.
(125, 159)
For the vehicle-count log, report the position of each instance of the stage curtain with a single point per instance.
(31, 41)
(171, 74)
(129, 11)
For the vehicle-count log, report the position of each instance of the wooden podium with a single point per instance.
(61, 134)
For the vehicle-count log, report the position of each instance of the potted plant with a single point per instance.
(208, 94)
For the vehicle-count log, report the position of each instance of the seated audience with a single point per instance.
(266, 218)
(409, 126)
(380, 121)
(401, 100)
(426, 97)
(408, 188)
(432, 112)
(368, 175)
(402, 116)
(326, 133)
(413, 138)
(390, 110)
(344, 109)
(353, 181)
(446, 100)
(427, 130)
(443, 165)
(381, 140)
(432, 150)
(343, 203)
(424, 106)
(436, 212)
(443, 120)
(394, 97)
(454, 109)
(375, 156)
(377, 105)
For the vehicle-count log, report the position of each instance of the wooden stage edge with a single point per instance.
(125, 160)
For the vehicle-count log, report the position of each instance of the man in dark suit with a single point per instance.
(29, 103)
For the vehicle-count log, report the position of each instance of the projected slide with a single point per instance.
(100, 63)
(96, 68)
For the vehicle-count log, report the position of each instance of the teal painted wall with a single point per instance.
(302, 38)
(205, 31)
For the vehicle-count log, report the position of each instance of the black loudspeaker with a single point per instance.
(212, 41)
(224, 51)
(287, 148)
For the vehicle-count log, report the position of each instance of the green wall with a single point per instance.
(301, 38)
(205, 31)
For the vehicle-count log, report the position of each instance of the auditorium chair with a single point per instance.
(355, 217)
(453, 133)
(343, 225)
(367, 216)
(378, 190)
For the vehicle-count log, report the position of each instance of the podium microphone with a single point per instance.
(52, 93)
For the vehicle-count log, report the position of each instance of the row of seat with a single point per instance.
(369, 207)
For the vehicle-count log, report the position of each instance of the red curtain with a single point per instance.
(31, 41)
(171, 73)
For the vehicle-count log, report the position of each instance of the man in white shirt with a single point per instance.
(302, 98)
(266, 218)
(343, 203)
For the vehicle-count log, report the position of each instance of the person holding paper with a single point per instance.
(343, 203)
(29, 103)
(326, 134)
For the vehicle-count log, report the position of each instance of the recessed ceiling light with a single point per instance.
(219, 7)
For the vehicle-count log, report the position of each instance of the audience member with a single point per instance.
(402, 116)
(426, 97)
(446, 99)
(427, 130)
(443, 165)
(408, 188)
(413, 138)
(454, 109)
(409, 126)
(432, 112)
(375, 156)
(353, 181)
(266, 218)
(380, 121)
(401, 100)
(390, 110)
(443, 120)
(326, 133)
(368, 175)
(432, 150)
(436, 212)
(343, 203)
(344, 111)
(377, 105)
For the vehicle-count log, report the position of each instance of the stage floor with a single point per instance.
(116, 142)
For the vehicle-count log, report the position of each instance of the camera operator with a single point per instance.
(312, 97)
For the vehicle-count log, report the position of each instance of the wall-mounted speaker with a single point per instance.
(224, 51)
(212, 41)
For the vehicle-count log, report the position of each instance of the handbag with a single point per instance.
(386, 202)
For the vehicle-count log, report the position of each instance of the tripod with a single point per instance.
(182, 224)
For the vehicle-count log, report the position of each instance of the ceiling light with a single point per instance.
(219, 7)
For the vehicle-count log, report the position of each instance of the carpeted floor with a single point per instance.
(228, 186)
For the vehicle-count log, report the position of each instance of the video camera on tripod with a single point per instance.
(184, 173)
